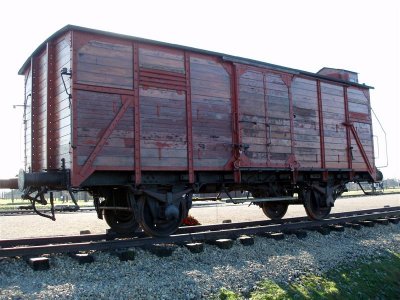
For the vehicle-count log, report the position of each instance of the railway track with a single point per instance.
(204, 233)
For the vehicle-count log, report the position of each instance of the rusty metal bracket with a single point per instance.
(167, 197)
(39, 198)
(292, 162)
(64, 71)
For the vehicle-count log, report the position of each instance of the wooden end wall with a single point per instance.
(47, 107)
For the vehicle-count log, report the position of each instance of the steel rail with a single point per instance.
(189, 237)
(181, 230)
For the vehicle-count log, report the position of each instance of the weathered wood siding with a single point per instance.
(163, 135)
(28, 119)
(211, 113)
(47, 110)
(252, 116)
(333, 111)
(158, 58)
(182, 98)
(278, 110)
(264, 118)
(163, 128)
(163, 115)
(96, 111)
(307, 145)
(106, 64)
(360, 117)
(39, 113)
(62, 112)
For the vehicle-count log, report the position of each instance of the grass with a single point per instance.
(377, 278)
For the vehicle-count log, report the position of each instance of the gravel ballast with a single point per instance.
(185, 275)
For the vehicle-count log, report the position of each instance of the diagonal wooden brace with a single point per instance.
(87, 168)
(360, 146)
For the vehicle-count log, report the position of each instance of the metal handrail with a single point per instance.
(384, 133)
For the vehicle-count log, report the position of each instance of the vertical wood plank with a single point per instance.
(51, 108)
(61, 112)
(189, 120)
(321, 126)
(35, 128)
(136, 107)
(372, 156)
(279, 115)
(288, 80)
(211, 92)
(267, 125)
(28, 118)
(306, 122)
(75, 41)
(348, 137)
(237, 138)
(334, 131)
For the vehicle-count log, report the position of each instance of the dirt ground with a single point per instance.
(72, 223)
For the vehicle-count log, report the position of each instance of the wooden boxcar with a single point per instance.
(142, 125)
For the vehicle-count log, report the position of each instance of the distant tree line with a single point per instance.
(63, 196)
(390, 183)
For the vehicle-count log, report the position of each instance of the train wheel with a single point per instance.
(312, 205)
(121, 221)
(274, 211)
(159, 219)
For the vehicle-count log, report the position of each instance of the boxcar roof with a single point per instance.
(224, 57)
